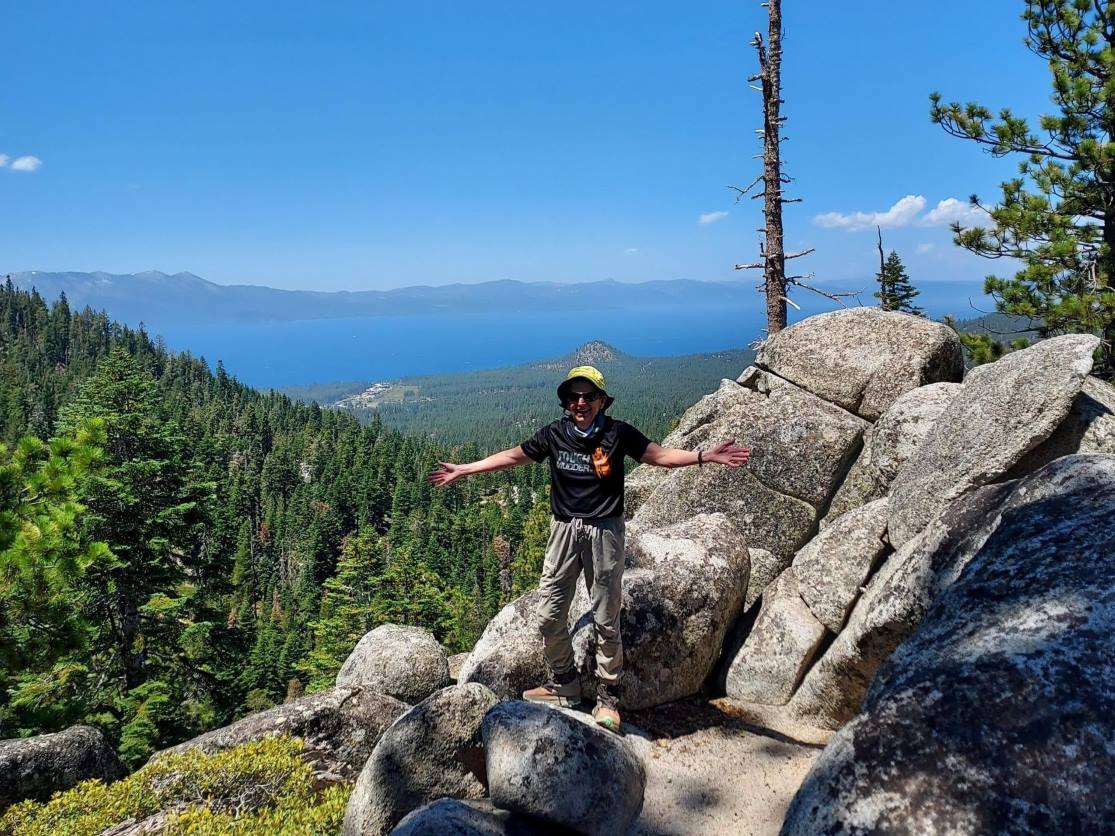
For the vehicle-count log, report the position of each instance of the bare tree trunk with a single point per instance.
(884, 302)
(772, 252)
(770, 73)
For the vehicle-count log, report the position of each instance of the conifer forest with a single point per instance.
(178, 549)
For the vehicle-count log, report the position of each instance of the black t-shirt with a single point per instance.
(586, 474)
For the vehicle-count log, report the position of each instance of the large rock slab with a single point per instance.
(801, 447)
(450, 817)
(340, 728)
(508, 657)
(889, 444)
(1089, 428)
(863, 359)
(833, 566)
(639, 484)
(37, 767)
(404, 662)
(998, 716)
(433, 751)
(786, 635)
(678, 604)
(1006, 409)
(546, 764)
(893, 606)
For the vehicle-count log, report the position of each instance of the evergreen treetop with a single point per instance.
(1058, 217)
(895, 292)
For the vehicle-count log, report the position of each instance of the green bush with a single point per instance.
(259, 788)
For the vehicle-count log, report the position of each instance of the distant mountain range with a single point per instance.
(153, 297)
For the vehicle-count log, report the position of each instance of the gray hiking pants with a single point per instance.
(593, 548)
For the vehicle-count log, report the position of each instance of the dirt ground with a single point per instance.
(711, 772)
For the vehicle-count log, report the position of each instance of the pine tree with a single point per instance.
(144, 503)
(43, 565)
(1058, 217)
(527, 568)
(895, 292)
(346, 609)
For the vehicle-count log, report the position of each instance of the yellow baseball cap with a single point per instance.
(592, 375)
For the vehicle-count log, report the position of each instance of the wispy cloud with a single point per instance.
(27, 163)
(924, 249)
(631, 251)
(711, 217)
(901, 213)
(4, 160)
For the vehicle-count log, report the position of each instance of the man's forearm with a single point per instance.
(673, 457)
(503, 460)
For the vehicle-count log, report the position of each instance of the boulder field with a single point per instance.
(917, 567)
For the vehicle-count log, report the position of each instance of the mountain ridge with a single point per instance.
(153, 296)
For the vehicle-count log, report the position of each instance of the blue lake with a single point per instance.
(277, 354)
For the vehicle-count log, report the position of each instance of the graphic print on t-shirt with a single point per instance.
(600, 463)
(586, 475)
(572, 462)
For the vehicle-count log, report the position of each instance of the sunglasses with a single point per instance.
(587, 397)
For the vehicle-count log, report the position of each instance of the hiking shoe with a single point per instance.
(606, 712)
(556, 692)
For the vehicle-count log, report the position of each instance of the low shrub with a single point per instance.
(264, 787)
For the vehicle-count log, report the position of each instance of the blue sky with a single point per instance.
(374, 145)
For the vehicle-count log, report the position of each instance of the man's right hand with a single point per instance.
(446, 472)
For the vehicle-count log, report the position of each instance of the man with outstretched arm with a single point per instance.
(586, 449)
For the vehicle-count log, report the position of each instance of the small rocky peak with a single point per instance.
(595, 352)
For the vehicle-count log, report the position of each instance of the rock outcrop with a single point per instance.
(37, 767)
(563, 770)
(1005, 410)
(863, 359)
(456, 663)
(432, 751)
(998, 716)
(800, 445)
(1089, 428)
(340, 728)
(893, 606)
(508, 657)
(765, 568)
(404, 662)
(889, 444)
(779, 648)
(833, 566)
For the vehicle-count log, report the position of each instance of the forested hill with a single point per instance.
(227, 546)
(500, 407)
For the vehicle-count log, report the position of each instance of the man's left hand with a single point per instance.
(728, 454)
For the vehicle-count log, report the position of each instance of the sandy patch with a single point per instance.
(710, 772)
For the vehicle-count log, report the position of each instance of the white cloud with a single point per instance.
(924, 249)
(711, 217)
(901, 213)
(907, 212)
(27, 163)
(950, 211)
(4, 160)
(631, 251)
